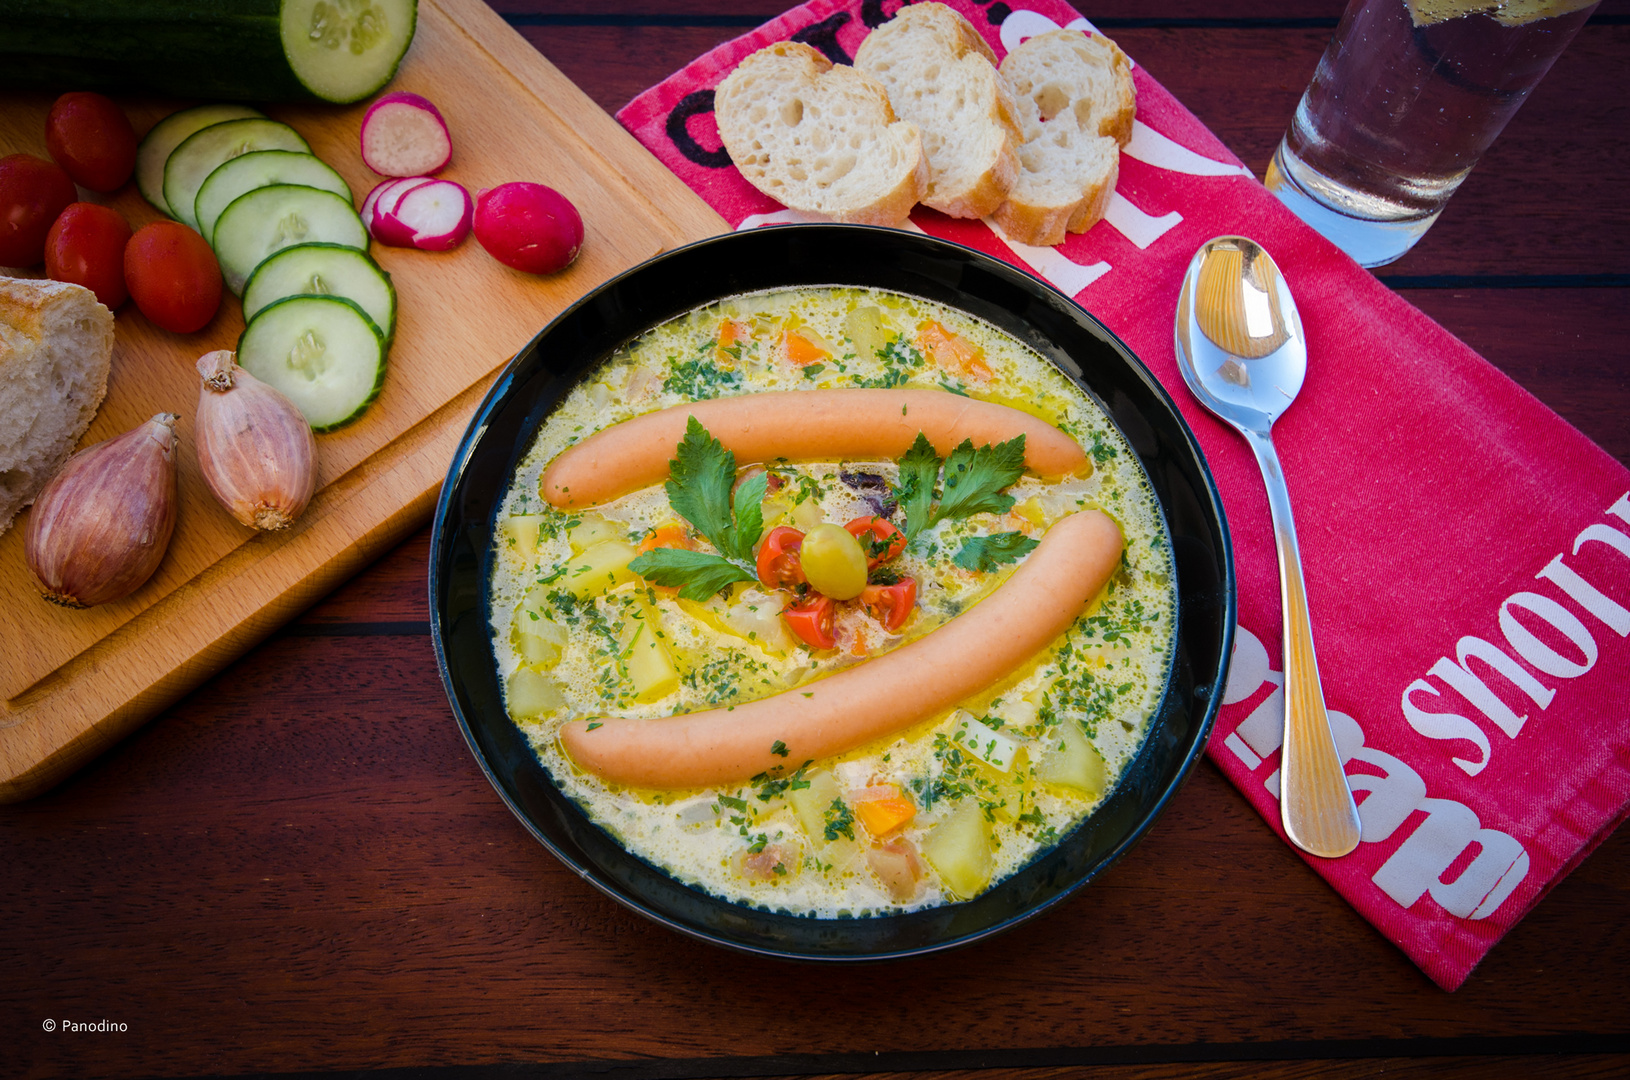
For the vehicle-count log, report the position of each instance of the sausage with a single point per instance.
(973, 651)
(801, 425)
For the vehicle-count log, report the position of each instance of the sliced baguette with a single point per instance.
(56, 346)
(820, 138)
(1077, 103)
(942, 76)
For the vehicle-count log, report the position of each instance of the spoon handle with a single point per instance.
(1315, 802)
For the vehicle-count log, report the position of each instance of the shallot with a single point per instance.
(101, 526)
(255, 448)
(528, 227)
(418, 212)
(403, 134)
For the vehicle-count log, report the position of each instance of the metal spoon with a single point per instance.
(1241, 350)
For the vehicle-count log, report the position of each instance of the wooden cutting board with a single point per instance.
(73, 682)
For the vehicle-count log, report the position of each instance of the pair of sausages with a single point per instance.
(970, 653)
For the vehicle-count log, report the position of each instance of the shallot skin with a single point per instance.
(255, 449)
(101, 526)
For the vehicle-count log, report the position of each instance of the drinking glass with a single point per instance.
(1406, 99)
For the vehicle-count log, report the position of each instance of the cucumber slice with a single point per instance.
(322, 352)
(261, 168)
(344, 50)
(269, 219)
(159, 143)
(202, 152)
(324, 269)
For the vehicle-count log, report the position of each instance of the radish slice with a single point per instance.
(391, 197)
(368, 204)
(433, 215)
(529, 227)
(404, 135)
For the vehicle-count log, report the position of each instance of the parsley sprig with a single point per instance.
(986, 553)
(700, 477)
(969, 482)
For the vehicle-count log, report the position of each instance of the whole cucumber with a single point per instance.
(233, 50)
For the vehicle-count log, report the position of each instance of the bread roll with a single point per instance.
(56, 346)
(941, 75)
(819, 138)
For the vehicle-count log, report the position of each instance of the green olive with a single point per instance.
(833, 562)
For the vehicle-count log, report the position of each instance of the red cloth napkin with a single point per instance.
(1467, 551)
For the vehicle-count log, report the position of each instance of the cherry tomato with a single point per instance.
(91, 138)
(173, 276)
(32, 193)
(778, 563)
(878, 538)
(891, 605)
(87, 247)
(812, 620)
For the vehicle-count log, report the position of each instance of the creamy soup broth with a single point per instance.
(987, 786)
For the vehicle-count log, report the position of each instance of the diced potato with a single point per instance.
(521, 535)
(864, 326)
(536, 637)
(749, 613)
(1033, 511)
(807, 514)
(591, 530)
(599, 569)
(959, 848)
(532, 693)
(1071, 761)
(650, 664)
(984, 742)
(812, 803)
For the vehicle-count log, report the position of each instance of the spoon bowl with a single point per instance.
(1242, 352)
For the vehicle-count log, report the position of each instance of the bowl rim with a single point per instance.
(1208, 690)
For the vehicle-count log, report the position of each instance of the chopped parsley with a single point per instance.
(840, 821)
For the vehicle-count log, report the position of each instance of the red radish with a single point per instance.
(404, 135)
(528, 227)
(431, 215)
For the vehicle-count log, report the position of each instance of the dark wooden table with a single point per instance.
(300, 870)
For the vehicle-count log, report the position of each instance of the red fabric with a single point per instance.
(1429, 490)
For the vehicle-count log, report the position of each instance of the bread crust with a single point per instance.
(925, 56)
(819, 138)
(56, 348)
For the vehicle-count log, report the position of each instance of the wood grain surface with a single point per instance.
(461, 316)
(299, 868)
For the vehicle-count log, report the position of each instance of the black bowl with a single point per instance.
(679, 281)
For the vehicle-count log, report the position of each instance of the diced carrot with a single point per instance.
(952, 351)
(730, 332)
(666, 536)
(882, 816)
(799, 350)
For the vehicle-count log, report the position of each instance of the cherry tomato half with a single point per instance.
(87, 247)
(778, 563)
(91, 138)
(879, 539)
(891, 605)
(812, 620)
(173, 276)
(32, 193)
